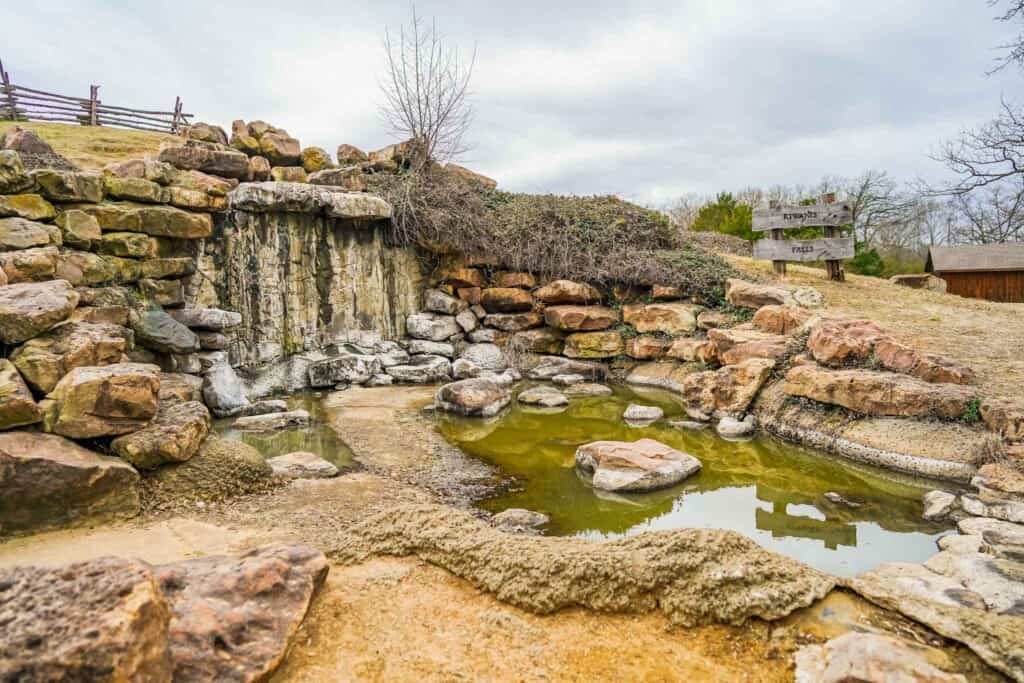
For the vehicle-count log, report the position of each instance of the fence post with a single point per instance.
(93, 92)
(833, 267)
(11, 102)
(778, 266)
(177, 113)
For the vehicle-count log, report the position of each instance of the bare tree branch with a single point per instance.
(1013, 12)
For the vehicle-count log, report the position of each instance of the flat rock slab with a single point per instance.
(151, 219)
(155, 329)
(273, 421)
(103, 401)
(552, 366)
(280, 197)
(643, 465)
(638, 413)
(546, 397)
(868, 657)
(917, 581)
(210, 319)
(999, 582)
(50, 482)
(302, 465)
(233, 619)
(31, 308)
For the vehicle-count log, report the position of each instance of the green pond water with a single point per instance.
(319, 438)
(769, 490)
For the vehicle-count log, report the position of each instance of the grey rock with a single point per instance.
(483, 335)
(731, 428)
(156, 330)
(550, 366)
(546, 397)
(419, 347)
(999, 582)
(587, 390)
(465, 369)
(223, 391)
(212, 319)
(642, 465)
(568, 380)
(518, 519)
(997, 508)
(262, 408)
(346, 368)
(638, 413)
(422, 370)
(325, 200)
(389, 353)
(938, 505)
(687, 425)
(431, 326)
(916, 581)
(467, 321)
(868, 657)
(436, 301)
(213, 341)
(380, 380)
(291, 419)
(486, 356)
(1005, 538)
(302, 465)
(477, 397)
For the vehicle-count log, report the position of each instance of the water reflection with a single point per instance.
(769, 490)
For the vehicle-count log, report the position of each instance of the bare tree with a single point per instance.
(1012, 11)
(683, 211)
(426, 91)
(986, 155)
(992, 215)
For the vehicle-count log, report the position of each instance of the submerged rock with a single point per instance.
(551, 366)
(546, 397)
(868, 658)
(302, 465)
(518, 519)
(273, 421)
(477, 397)
(731, 428)
(643, 465)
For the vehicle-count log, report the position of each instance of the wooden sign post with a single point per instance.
(831, 249)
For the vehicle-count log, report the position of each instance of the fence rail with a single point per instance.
(19, 103)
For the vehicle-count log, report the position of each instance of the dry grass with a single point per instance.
(984, 335)
(92, 146)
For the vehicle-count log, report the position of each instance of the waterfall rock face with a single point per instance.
(306, 273)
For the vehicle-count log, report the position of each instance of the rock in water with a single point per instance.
(546, 397)
(50, 482)
(643, 465)
(938, 504)
(731, 428)
(233, 619)
(175, 435)
(302, 465)
(642, 414)
(868, 657)
(550, 366)
(273, 421)
(477, 397)
(103, 401)
(101, 620)
(517, 519)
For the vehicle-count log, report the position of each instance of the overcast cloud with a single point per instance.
(646, 100)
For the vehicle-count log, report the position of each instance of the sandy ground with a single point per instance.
(984, 335)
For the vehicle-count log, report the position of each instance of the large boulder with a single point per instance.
(431, 326)
(753, 295)
(173, 436)
(102, 401)
(135, 189)
(459, 275)
(476, 397)
(436, 301)
(350, 154)
(878, 393)
(206, 157)
(47, 481)
(647, 347)
(29, 309)
(567, 292)
(643, 465)
(349, 178)
(693, 350)
(738, 344)
(868, 657)
(580, 318)
(605, 344)
(45, 359)
(206, 132)
(315, 159)
(930, 367)
(151, 219)
(234, 619)
(19, 233)
(222, 389)
(419, 347)
(275, 197)
(843, 342)
(156, 330)
(281, 149)
(346, 368)
(30, 265)
(506, 300)
(28, 206)
(17, 407)
(729, 389)
(103, 620)
(674, 318)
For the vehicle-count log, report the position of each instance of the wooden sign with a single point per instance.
(821, 249)
(782, 216)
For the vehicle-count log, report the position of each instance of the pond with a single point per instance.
(767, 489)
(319, 438)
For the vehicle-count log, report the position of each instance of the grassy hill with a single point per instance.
(93, 146)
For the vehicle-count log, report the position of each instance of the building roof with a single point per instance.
(976, 257)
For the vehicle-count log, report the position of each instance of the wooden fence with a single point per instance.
(18, 103)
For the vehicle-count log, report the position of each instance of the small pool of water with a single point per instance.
(318, 438)
(767, 489)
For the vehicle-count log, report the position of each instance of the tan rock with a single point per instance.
(1005, 417)
(515, 279)
(108, 315)
(175, 435)
(147, 169)
(45, 359)
(29, 309)
(194, 200)
(350, 178)
(580, 318)
(514, 322)
(707, 320)
(13, 178)
(899, 357)
(17, 407)
(670, 318)
(606, 344)
(878, 393)
(458, 275)
(127, 244)
(259, 168)
(167, 293)
(30, 265)
(19, 233)
(206, 157)
(288, 174)
(159, 221)
(179, 388)
(159, 268)
(693, 350)
(103, 401)
(28, 206)
(471, 176)
(471, 295)
(731, 388)
(666, 292)
(134, 189)
(642, 465)
(780, 319)
(316, 159)
(280, 149)
(68, 186)
(349, 154)
(772, 350)
(78, 229)
(646, 347)
(734, 345)
(568, 292)
(206, 132)
(506, 300)
(242, 139)
(52, 482)
(842, 342)
(868, 658)
(476, 397)
(542, 340)
(920, 281)
(753, 295)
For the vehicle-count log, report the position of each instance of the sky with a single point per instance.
(647, 100)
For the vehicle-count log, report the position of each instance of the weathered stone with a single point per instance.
(272, 422)
(568, 380)
(729, 389)
(467, 320)
(997, 581)
(471, 295)
(303, 465)
(28, 206)
(45, 359)
(206, 132)
(550, 366)
(288, 174)
(147, 169)
(222, 390)
(68, 186)
(485, 356)
(644, 414)
(213, 341)
(669, 318)
(477, 397)
(19, 233)
(194, 200)
(135, 189)
(780, 319)
(349, 178)
(431, 326)
(350, 154)
(436, 301)
(347, 368)
(213, 319)
(920, 281)
(917, 581)
(772, 349)
(13, 178)
(899, 357)
(17, 407)
(273, 197)
(151, 219)
(731, 428)
(693, 350)
(390, 353)
(542, 340)
(580, 318)
(938, 505)
(391, 158)
(546, 397)
(643, 465)
(868, 658)
(315, 159)
(587, 390)
(102, 401)
(155, 329)
(127, 244)
(29, 309)
(78, 229)
(29, 265)
(506, 300)
(84, 268)
(464, 369)
(878, 393)
(515, 279)
(606, 344)
(567, 292)
(458, 275)
(842, 342)
(103, 620)
(471, 176)
(252, 606)
(431, 348)
(259, 169)
(166, 293)
(514, 322)
(518, 519)
(646, 347)
(158, 268)
(175, 435)
(208, 158)
(1005, 417)
(1000, 479)
(751, 295)
(422, 370)
(51, 482)
(707, 320)
(997, 533)
(26, 141)
(280, 150)
(242, 140)
(179, 388)
(986, 505)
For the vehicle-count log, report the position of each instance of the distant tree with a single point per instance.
(683, 211)
(866, 261)
(726, 215)
(426, 91)
(990, 215)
